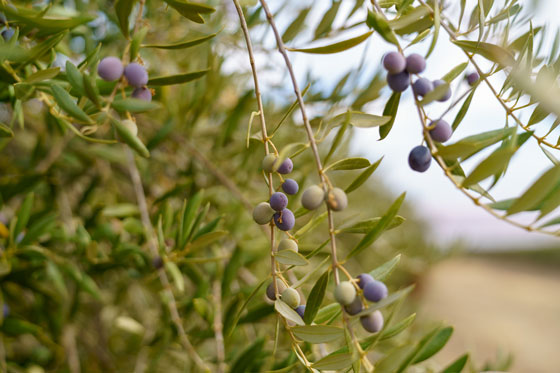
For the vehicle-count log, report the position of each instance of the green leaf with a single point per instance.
(91, 90)
(536, 192)
(318, 333)
(44, 47)
(494, 164)
(489, 51)
(137, 38)
(296, 26)
(123, 9)
(289, 257)
(67, 103)
(36, 20)
(376, 231)
(182, 44)
(455, 72)
(176, 275)
(390, 110)
(379, 24)
(473, 144)
(134, 105)
(417, 20)
(338, 138)
(398, 328)
(310, 225)
(24, 214)
(326, 22)
(206, 239)
(336, 47)
(288, 313)
(190, 10)
(130, 139)
(458, 365)
(361, 120)
(348, 164)
(437, 93)
(74, 77)
(13, 53)
(431, 344)
(463, 111)
(188, 216)
(437, 21)
(326, 313)
(384, 270)
(334, 361)
(177, 79)
(5, 131)
(538, 115)
(316, 298)
(365, 226)
(391, 362)
(363, 177)
(120, 210)
(41, 75)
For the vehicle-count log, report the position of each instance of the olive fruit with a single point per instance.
(312, 197)
(262, 213)
(270, 289)
(337, 199)
(288, 244)
(372, 322)
(290, 296)
(344, 293)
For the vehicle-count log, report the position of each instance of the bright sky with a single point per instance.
(453, 216)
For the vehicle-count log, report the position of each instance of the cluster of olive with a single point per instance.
(348, 294)
(399, 70)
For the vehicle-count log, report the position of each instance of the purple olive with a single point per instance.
(136, 74)
(110, 68)
(8, 33)
(285, 220)
(270, 289)
(394, 62)
(286, 167)
(415, 63)
(142, 93)
(419, 158)
(398, 82)
(290, 186)
(278, 201)
(375, 290)
(5, 310)
(363, 279)
(300, 310)
(157, 262)
(355, 307)
(472, 78)
(447, 94)
(372, 322)
(422, 86)
(441, 131)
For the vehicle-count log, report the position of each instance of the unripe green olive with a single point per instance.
(262, 213)
(345, 293)
(337, 200)
(312, 197)
(288, 244)
(130, 126)
(269, 163)
(270, 289)
(290, 296)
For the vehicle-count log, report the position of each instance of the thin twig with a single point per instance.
(218, 326)
(322, 176)
(266, 140)
(151, 240)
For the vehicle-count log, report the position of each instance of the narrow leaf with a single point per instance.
(336, 47)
